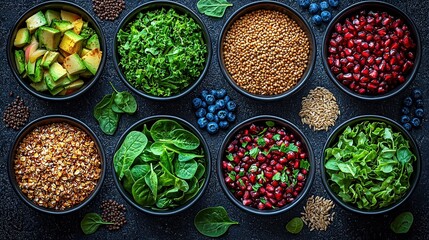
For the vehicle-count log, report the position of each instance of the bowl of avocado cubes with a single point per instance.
(56, 50)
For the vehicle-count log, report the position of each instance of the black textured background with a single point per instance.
(18, 221)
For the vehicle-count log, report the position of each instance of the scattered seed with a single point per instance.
(108, 9)
(317, 215)
(16, 114)
(113, 212)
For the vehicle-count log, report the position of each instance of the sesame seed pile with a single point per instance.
(317, 213)
(266, 52)
(319, 109)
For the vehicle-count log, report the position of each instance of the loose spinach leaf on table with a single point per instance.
(295, 225)
(213, 8)
(213, 221)
(124, 102)
(91, 222)
(133, 146)
(402, 223)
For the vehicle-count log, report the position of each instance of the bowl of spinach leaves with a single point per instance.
(161, 165)
(162, 50)
(370, 164)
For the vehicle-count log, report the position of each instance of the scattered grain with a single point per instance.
(108, 9)
(317, 215)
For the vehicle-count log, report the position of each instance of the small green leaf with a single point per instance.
(277, 176)
(295, 225)
(256, 187)
(261, 142)
(304, 164)
(230, 157)
(270, 123)
(254, 152)
(402, 223)
(276, 137)
(263, 200)
(213, 221)
(91, 222)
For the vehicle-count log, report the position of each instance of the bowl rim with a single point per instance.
(311, 158)
(312, 55)
(353, 121)
(390, 9)
(188, 126)
(56, 118)
(10, 48)
(160, 4)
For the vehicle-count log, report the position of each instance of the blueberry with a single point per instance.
(334, 3)
(213, 92)
(230, 117)
(419, 103)
(212, 108)
(416, 122)
(227, 99)
(221, 93)
(231, 106)
(210, 116)
(210, 99)
(408, 101)
(304, 3)
(405, 110)
(202, 122)
(419, 112)
(405, 119)
(204, 93)
(204, 104)
(216, 119)
(196, 103)
(317, 19)
(324, 5)
(314, 8)
(223, 124)
(201, 112)
(326, 16)
(220, 104)
(417, 94)
(212, 128)
(407, 126)
(222, 114)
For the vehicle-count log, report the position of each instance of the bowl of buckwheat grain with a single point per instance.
(267, 50)
(56, 164)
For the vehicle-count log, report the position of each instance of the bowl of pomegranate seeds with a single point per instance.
(266, 165)
(372, 50)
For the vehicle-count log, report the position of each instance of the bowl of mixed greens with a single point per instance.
(162, 50)
(56, 50)
(370, 164)
(161, 165)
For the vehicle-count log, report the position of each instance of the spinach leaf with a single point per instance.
(181, 184)
(151, 180)
(162, 129)
(142, 194)
(124, 102)
(106, 117)
(182, 139)
(128, 181)
(185, 170)
(213, 221)
(213, 8)
(184, 156)
(201, 170)
(404, 155)
(91, 222)
(295, 225)
(166, 160)
(402, 223)
(98, 109)
(132, 147)
(139, 171)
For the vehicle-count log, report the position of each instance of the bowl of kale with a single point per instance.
(162, 50)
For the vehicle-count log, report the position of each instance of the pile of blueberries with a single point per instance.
(214, 110)
(319, 11)
(412, 110)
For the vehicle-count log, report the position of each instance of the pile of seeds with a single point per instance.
(266, 52)
(108, 9)
(317, 215)
(113, 212)
(16, 114)
(57, 165)
(319, 109)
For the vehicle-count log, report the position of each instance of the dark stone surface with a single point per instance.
(18, 221)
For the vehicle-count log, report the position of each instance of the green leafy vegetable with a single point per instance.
(124, 102)
(213, 221)
(133, 145)
(270, 123)
(402, 223)
(277, 176)
(254, 152)
(295, 225)
(161, 51)
(304, 164)
(213, 8)
(91, 222)
(370, 165)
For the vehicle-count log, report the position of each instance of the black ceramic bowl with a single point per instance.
(154, 5)
(333, 138)
(138, 126)
(55, 5)
(298, 136)
(41, 122)
(294, 15)
(368, 6)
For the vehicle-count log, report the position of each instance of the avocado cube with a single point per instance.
(62, 26)
(92, 60)
(74, 64)
(51, 15)
(20, 61)
(40, 86)
(73, 77)
(22, 38)
(56, 91)
(56, 84)
(75, 85)
(57, 71)
(71, 42)
(36, 21)
(84, 52)
(38, 72)
(93, 42)
(69, 16)
(30, 67)
(86, 74)
(49, 37)
(49, 58)
(77, 25)
(60, 59)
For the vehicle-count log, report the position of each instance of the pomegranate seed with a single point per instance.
(247, 202)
